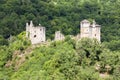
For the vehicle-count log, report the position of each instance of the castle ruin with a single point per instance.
(89, 30)
(35, 33)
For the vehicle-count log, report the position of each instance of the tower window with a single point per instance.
(34, 36)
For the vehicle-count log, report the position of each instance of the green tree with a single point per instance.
(88, 50)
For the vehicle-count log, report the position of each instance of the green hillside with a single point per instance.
(86, 59)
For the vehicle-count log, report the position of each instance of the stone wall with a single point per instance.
(59, 36)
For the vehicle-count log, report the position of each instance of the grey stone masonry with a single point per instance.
(35, 33)
(59, 36)
(90, 30)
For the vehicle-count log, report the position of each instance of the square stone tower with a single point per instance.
(85, 29)
(90, 30)
(35, 34)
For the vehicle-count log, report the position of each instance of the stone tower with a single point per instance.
(90, 30)
(85, 28)
(35, 34)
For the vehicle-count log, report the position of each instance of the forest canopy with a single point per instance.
(64, 15)
(85, 59)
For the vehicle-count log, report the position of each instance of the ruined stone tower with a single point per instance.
(35, 34)
(59, 36)
(90, 30)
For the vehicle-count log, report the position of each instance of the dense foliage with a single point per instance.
(86, 59)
